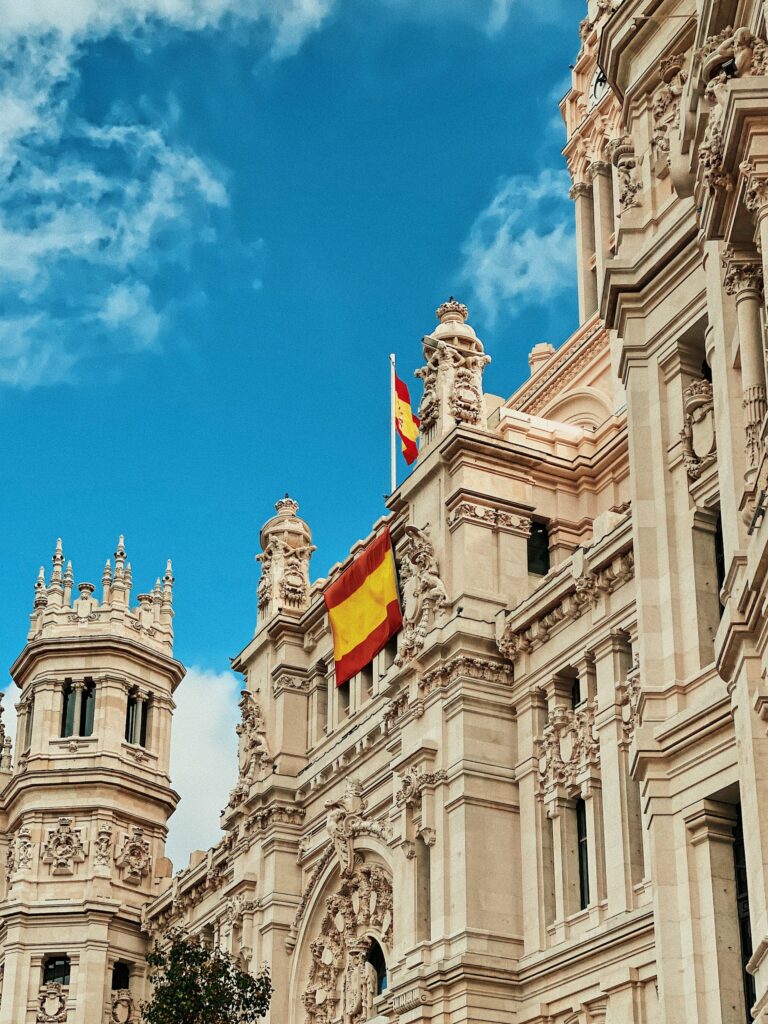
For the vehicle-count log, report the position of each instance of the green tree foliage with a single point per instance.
(194, 984)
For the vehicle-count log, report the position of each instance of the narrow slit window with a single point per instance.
(583, 853)
(538, 550)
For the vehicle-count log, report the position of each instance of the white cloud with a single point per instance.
(521, 249)
(129, 304)
(203, 759)
(93, 210)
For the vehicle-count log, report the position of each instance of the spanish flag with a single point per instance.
(364, 607)
(406, 423)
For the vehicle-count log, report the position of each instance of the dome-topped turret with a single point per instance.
(286, 543)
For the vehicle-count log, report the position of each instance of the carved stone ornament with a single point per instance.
(342, 983)
(102, 847)
(698, 433)
(286, 550)
(122, 1008)
(20, 851)
(628, 697)
(135, 858)
(569, 747)
(234, 910)
(493, 518)
(253, 749)
(424, 595)
(52, 1004)
(453, 374)
(666, 102)
(63, 848)
(622, 154)
(346, 820)
(414, 782)
(587, 587)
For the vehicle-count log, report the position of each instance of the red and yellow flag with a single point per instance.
(406, 423)
(364, 607)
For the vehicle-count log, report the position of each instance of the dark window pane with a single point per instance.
(86, 710)
(68, 711)
(121, 975)
(376, 959)
(581, 838)
(56, 970)
(538, 549)
(576, 693)
(742, 910)
(143, 724)
(130, 718)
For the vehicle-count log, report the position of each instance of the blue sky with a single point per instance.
(218, 218)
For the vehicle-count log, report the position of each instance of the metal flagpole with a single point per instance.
(393, 448)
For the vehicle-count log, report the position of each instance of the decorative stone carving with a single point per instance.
(63, 848)
(622, 154)
(569, 747)
(52, 1004)
(424, 594)
(414, 782)
(585, 589)
(24, 848)
(346, 820)
(253, 748)
(698, 433)
(471, 668)
(666, 102)
(628, 697)
(494, 519)
(453, 375)
(102, 847)
(122, 1008)
(342, 984)
(234, 910)
(286, 550)
(747, 52)
(135, 857)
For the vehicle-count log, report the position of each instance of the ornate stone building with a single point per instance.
(546, 801)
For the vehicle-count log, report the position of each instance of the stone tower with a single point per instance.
(85, 810)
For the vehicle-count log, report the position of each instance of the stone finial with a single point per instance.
(287, 547)
(106, 581)
(452, 311)
(286, 506)
(58, 562)
(41, 591)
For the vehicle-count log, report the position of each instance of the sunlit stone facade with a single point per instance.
(547, 802)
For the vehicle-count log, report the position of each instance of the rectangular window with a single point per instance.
(28, 723)
(538, 550)
(56, 970)
(366, 681)
(87, 708)
(719, 560)
(143, 723)
(130, 718)
(68, 709)
(583, 851)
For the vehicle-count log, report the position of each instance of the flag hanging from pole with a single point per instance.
(364, 607)
(406, 424)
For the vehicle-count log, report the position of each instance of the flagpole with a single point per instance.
(392, 446)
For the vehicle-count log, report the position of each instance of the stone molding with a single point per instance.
(493, 518)
(529, 628)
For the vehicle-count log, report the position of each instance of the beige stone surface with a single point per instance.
(547, 802)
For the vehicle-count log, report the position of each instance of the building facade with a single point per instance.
(545, 801)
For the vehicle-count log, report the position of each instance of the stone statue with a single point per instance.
(424, 593)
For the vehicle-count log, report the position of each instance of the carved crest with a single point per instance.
(52, 1003)
(63, 848)
(121, 1011)
(135, 858)
(569, 747)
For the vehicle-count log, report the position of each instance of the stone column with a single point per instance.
(78, 688)
(141, 700)
(743, 279)
(581, 193)
(565, 848)
(715, 925)
(602, 190)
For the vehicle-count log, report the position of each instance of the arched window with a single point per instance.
(376, 959)
(56, 969)
(121, 975)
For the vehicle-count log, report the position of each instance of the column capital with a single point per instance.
(742, 274)
(756, 191)
(580, 189)
(597, 167)
(711, 820)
